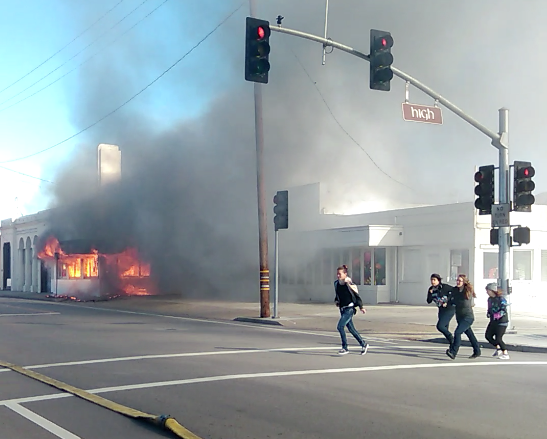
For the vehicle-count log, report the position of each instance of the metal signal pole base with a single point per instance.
(276, 285)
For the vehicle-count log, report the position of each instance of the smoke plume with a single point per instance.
(188, 196)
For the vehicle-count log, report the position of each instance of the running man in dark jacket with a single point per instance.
(439, 294)
(347, 299)
(499, 320)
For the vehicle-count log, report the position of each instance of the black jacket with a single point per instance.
(439, 294)
(355, 297)
(464, 306)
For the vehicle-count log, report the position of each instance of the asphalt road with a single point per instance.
(233, 380)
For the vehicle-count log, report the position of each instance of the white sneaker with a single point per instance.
(504, 357)
(364, 349)
(343, 352)
(497, 353)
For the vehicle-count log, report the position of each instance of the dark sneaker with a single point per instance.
(364, 349)
(343, 352)
(450, 354)
(475, 355)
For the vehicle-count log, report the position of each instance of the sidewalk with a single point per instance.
(387, 321)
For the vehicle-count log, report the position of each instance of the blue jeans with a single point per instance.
(464, 325)
(346, 321)
(445, 315)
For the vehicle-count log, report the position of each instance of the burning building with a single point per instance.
(82, 272)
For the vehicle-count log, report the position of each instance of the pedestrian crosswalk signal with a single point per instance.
(257, 50)
(380, 58)
(484, 190)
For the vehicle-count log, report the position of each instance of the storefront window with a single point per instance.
(490, 265)
(522, 265)
(356, 266)
(379, 266)
(367, 267)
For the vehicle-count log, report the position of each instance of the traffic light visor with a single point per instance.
(527, 172)
(262, 32)
(383, 43)
(260, 49)
(260, 66)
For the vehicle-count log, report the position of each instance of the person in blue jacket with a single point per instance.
(499, 320)
(439, 294)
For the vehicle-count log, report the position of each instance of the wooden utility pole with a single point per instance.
(262, 218)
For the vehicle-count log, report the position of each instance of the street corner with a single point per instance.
(259, 320)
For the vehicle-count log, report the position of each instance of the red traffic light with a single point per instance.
(479, 176)
(529, 172)
(385, 42)
(262, 32)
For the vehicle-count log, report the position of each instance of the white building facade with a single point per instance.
(21, 268)
(391, 254)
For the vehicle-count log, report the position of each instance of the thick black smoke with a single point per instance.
(188, 196)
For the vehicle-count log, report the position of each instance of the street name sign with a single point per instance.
(422, 113)
(500, 215)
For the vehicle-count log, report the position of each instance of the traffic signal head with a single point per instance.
(484, 190)
(521, 235)
(523, 187)
(281, 210)
(257, 50)
(380, 59)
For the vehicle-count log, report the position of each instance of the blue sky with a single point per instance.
(32, 31)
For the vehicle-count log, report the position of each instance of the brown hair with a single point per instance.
(343, 268)
(467, 287)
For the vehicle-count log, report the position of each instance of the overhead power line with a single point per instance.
(74, 56)
(87, 60)
(135, 95)
(342, 127)
(62, 48)
(26, 175)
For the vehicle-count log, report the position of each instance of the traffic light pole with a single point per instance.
(499, 140)
(503, 187)
(276, 279)
(262, 219)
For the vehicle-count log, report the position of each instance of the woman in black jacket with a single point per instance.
(440, 294)
(463, 299)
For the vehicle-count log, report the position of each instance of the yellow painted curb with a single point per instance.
(165, 422)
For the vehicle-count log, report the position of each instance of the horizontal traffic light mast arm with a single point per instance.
(496, 139)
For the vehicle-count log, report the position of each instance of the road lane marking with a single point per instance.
(216, 322)
(42, 422)
(204, 354)
(492, 363)
(31, 314)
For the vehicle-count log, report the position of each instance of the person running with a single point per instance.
(463, 299)
(499, 320)
(347, 299)
(440, 293)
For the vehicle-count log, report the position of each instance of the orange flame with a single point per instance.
(127, 265)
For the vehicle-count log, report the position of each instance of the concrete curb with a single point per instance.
(259, 320)
(510, 347)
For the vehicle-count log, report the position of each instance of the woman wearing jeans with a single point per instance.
(440, 294)
(462, 299)
(347, 299)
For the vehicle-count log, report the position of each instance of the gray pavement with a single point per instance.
(386, 321)
(224, 380)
